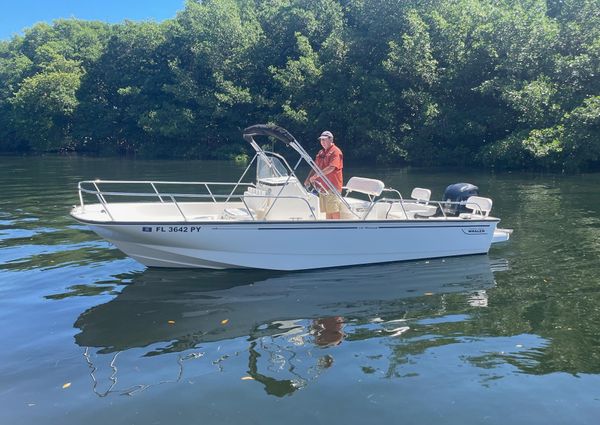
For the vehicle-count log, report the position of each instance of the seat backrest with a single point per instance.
(291, 202)
(370, 187)
(479, 205)
(420, 194)
(256, 199)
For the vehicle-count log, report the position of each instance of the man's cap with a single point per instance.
(326, 134)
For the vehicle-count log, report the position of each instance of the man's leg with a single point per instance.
(333, 207)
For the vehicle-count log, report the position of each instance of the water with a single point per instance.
(89, 336)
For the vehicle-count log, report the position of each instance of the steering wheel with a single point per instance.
(315, 186)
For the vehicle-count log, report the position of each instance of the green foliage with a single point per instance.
(545, 145)
(508, 153)
(582, 135)
(505, 84)
(44, 105)
(533, 102)
(411, 59)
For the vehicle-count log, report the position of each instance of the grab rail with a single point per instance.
(101, 194)
(403, 202)
(152, 183)
(172, 196)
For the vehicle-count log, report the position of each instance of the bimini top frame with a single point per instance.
(286, 137)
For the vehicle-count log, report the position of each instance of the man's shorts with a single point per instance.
(329, 203)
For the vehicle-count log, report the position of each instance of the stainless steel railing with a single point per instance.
(102, 194)
(95, 190)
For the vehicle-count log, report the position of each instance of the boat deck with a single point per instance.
(197, 212)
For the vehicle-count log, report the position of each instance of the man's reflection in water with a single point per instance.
(328, 332)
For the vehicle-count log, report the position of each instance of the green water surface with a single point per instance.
(90, 336)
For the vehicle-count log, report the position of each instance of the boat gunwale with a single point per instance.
(469, 222)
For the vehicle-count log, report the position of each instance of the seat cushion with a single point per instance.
(237, 214)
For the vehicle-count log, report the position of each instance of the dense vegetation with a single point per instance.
(505, 83)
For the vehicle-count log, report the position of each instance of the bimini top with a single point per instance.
(272, 130)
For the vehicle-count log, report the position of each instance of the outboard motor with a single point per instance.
(458, 192)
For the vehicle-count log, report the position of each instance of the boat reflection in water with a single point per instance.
(282, 317)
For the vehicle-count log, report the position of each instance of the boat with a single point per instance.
(273, 222)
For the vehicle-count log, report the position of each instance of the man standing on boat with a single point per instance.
(331, 162)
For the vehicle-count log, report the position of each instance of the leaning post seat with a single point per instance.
(371, 187)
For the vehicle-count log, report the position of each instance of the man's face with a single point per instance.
(325, 142)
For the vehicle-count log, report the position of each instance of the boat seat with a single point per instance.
(426, 211)
(421, 195)
(406, 210)
(256, 201)
(421, 207)
(369, 187)
(416, 210)
(237, 214)
(397, 215)
(410, 210)
(357, 203)
(480, 206)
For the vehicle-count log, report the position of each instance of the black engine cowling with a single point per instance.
(458, 192)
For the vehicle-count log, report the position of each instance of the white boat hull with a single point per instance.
(296, 245)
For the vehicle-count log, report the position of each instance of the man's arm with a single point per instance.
(325, 171)
(308, 178)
